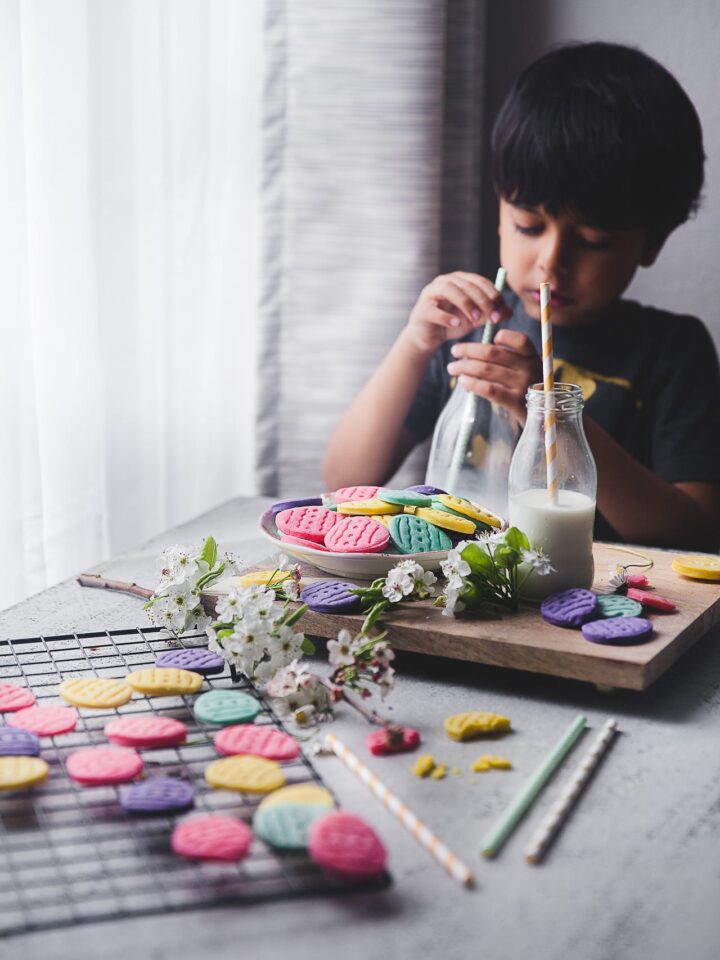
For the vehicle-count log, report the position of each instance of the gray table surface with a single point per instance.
(634, 874)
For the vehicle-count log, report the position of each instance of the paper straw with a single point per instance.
(425, 837)
(549, 388)
(519, 805)
(558, 812)
(468, 417)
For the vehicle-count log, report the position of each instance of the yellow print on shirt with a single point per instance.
(587, 380)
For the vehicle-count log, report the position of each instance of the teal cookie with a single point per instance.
(222, 707)
(616, 605)
(480, 527)
(406, 498)
(412, 534)
(286, 826)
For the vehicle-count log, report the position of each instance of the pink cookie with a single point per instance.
(652, 600)
(345, 494)
(212, 838)
(345, 844)
(300, 542)
(258, 741)
(146, 732)
(396, 740)
(357, 535)
(45, 721)
(100, 766)
(308, 523)
(13, 697)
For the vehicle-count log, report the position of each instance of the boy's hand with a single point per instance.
(452, 305)
(501, 371)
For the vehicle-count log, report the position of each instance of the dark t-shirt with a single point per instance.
(649, 377)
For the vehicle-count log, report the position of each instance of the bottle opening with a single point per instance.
(568, 397)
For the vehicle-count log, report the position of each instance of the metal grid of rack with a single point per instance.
(70, 854)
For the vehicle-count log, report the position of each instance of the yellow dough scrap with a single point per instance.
(440, 772)
(245, 773)
(448, 521)
(697, 566)
(99, 692)
(165, 681)
(424, 765)
(307, 794)
(464, 726)
(489, 761)
(469, 509)
(368, 508)
(16, 773)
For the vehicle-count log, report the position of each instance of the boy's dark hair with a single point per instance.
(603, 131)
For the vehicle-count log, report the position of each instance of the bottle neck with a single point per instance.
(566, 399)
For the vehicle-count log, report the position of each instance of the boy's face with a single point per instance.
(588, 268)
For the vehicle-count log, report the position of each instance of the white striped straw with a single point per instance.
(549, 388)
(425, 837)
(557, 814)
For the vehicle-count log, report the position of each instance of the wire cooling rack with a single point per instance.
(70, 854)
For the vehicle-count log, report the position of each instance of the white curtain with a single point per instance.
(129, 178)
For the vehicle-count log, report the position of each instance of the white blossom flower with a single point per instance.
(289, 645)
(228, 607)
(340, 652)
(305, 716)
(290, 589)
(386, 682)
(384, 653)
(281, 562)
(489, 538)
(454, 566)
(617, 578)
(453, 604)
(538, 560)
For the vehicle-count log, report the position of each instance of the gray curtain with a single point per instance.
(371, 186)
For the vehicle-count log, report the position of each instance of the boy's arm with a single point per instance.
(371, 439)
(643, 508)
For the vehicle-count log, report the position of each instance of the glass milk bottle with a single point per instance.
(563, 529)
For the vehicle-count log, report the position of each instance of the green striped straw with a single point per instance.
(468, 418)
(494, 841)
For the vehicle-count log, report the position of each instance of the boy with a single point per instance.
(597, 157)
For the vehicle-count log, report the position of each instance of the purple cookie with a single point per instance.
(620, 631)
(424, 488)
(18, 743)
(289, 504)
(157, 795)
(569, 608)
(197, 659)
(330, 596)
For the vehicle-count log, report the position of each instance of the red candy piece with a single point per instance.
(301, 542)
(99, 766)
(212, 838)
(383, 742)
(45, 721)
(15, 698)
(257, 741)
(652, 600)
(146, 732)
(637, 580)
(308, 523)
(346, 494)
(344, 844)
(357, 535)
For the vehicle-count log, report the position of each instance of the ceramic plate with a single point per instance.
(359, 566)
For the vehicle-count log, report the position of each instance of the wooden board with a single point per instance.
(523, 641)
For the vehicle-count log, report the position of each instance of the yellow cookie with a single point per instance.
(19, 772)
(381, 518)
(165, 681)
(245, 773)
(448, 521)
(369, 508)
(99, 692)
(260, 577)
(463, 726)
(469, 509)
(307, 794)
(698, 566)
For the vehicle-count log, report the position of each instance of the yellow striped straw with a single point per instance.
(549, 388)
(424, 836)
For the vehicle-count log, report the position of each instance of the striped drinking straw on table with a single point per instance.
(422, 833)
(549, 388)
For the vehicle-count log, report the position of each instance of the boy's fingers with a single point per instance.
(516, 341)
(490, 290)
(453, 293)
(479, 369)
(444, 315)
(490, 310)
(490, 353)
(496, 393)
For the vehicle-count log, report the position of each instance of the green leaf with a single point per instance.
(478, 559)
(222, 634)
(209, 552)
(209, 577)
(295, 616)
(307, 646)
(506, 557)
(516, 539)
